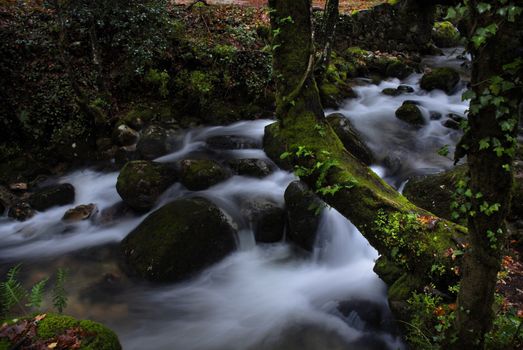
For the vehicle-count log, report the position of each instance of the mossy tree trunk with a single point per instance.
(327, 37)
(408, 237)
(490, 172)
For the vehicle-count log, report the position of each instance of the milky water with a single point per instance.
(265, 296)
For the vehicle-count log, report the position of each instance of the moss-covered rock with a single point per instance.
(141, 182)
(398, 69)
(124, 135)
(444, 78)
(21, 211)
(350, 137)
(303, 220)
(60, 329)
(153, 142)
(51, 196)
(178, 240)
(200, 174)
(250, 167)
(410, 113)
(444, 34)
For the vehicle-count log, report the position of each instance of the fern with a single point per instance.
(37, 294)
(59, 293)
(11, 291)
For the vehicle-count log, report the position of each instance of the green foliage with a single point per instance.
(160, 79)
(59, 292)
(13, 294)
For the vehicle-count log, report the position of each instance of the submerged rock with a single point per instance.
(179, 240)
(267, 219)
(228, 142)
(141, 183)
(51, 196)
(200, 174)
(410, 113)
(250, 167)
(79, 213)
(444, 79)
(57, 329)
(303, 208)
(350, 138)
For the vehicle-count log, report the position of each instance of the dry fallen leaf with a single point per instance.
(52, 345)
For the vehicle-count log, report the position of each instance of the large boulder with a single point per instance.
(410, 113)
(141, 183)
(350, 137)
(200, 174)
(398, 69)
(179, 240)
(303, 208)
(444, 34)
(444, 78)
(48, 331)
(51, 196)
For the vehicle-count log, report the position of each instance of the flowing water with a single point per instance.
(265, 296)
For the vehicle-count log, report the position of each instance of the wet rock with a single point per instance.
(141, 183)
(153, 143)
(267, 219)
(405, 88)
(51, 196)
(444, 34)
(391, 92)
(228, 142)
(410, 113)
(350, 138)
(454, 121)
(250, 167)
(123, 135)
(303, 219)
(79, 213)
(398, 69)
(125, 154)
(444, 79)
(435, 115)
(434, 192)
(113, 213)
(371, 315)
(178, 240)
(19, 187)
(21, 211)
(200, 174)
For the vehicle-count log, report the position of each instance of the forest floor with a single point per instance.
(345, 5)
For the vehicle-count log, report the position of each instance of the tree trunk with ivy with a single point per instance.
(489, 145)
(412, 241)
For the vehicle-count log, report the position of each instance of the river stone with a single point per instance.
(410, 113)
(153, 142)
(123, 135)
(141, 183)
(21, 211)
(250, 167)
(267, 219)
(228, 142)
(350, 138)
(51, 196)
(200, 174)
(398, 69)
(303, 219)
(444, 79)
(179, 240)
(80, 212)
(405, 88)
(391, 92)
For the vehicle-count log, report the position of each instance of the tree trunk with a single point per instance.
(326, 37)
(410, 238)
(489, 175)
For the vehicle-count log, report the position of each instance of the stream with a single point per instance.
(263, 296)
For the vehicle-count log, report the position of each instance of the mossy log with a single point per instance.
(419, 244)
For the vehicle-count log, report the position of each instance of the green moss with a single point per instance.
(53, 325)
(4, 344)
(105, 339)
(402, 289)
(444, 78)
(445, 34)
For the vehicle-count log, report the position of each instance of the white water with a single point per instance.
(263, 297)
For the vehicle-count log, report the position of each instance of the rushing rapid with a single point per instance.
(263, 296)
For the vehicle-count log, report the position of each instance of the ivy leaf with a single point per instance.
(483, 7)
(468, 95)
(484, 144)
